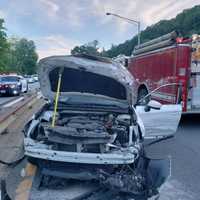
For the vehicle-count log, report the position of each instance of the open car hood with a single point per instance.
(84, 76)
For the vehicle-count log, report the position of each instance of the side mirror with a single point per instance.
(153, 105)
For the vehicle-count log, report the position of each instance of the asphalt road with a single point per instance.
(5, 99)
(184, 183)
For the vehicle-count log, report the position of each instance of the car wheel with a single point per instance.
(26, 90)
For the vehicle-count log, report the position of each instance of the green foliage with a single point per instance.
(90, 48)
(25, 56)
(186, 23)
(17, 55)
(3, 46)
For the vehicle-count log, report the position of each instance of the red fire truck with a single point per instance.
(171, 64)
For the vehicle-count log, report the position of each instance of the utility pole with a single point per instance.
(130, 21)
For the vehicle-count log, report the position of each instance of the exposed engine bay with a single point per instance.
(86, 132)
(89, 129)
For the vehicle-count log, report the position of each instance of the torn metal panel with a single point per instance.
(160, 123)
(33, 124)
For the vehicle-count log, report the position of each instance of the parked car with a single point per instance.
(9, 86)
(95, 132)
(35, 77)
(30, 79)
(13, 84)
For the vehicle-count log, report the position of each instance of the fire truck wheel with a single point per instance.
(141, 94)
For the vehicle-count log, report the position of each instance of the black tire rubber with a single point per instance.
(141, 94)
(26, 90)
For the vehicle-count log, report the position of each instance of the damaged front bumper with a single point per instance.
(120, 170)
(42, 151)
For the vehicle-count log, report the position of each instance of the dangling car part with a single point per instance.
(89, 128)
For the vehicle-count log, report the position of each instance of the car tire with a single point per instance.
(26, 89)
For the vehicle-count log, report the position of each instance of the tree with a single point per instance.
(16, 55)
(90, 48)
(23, 56)
(3, 47)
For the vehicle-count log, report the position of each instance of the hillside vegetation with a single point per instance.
(186, 23)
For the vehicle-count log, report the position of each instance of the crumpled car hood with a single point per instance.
(85, 75)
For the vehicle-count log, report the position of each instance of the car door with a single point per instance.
(160, 123)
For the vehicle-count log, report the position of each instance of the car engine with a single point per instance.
(84, 132)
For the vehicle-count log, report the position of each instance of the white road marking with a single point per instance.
(12, 102)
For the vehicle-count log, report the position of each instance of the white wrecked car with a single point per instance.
(90, 130)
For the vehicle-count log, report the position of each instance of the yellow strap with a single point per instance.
(56, 100)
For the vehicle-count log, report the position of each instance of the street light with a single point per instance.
(130, 21)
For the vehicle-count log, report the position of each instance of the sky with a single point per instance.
(56, 26)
